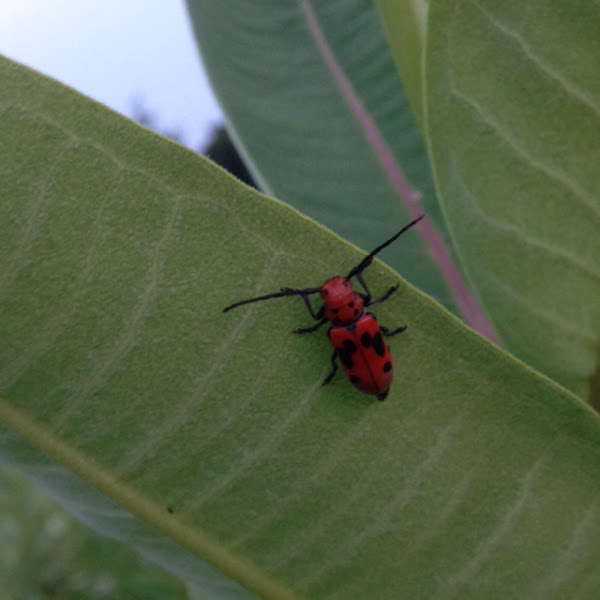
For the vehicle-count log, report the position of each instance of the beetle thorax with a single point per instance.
(342, 303)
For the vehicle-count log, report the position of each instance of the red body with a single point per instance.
(364, 355)
(356, 336)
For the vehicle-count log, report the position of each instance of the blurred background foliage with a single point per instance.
(46, 554)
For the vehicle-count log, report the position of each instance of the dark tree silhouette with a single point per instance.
(222, 150)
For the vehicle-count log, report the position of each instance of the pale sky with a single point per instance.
(117, 51)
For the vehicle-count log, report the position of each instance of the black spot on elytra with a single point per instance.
(355, 311)
(350, 346)
(335, 311)
(379, 344)
(387, 367)
(365, 340)
(345, 353)
(350, 304)
(354, 380)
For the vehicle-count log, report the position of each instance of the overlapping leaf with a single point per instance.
(312, 95)
(513, 99)
(211, 431)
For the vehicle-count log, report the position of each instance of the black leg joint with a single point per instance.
(387, 333)
(311, 329)
(334, 367)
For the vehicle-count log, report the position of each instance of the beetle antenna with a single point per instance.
(283, 292)
(367, 260)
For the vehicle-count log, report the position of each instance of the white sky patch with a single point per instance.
(117, 53)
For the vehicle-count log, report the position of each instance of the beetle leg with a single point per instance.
(334, 367)
(384, 297)
(311, 329)
(367, 295)
(389, 333)
(317, 316)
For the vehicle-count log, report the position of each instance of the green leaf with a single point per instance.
(513, 110)
(205, 438)
(45, 553)
(404, 24)
(312, 96)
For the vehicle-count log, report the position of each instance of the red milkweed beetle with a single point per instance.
(354, 333)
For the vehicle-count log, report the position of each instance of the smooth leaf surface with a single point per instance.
(405, 25)
(306, 88)
(127, 385)
(513, 109)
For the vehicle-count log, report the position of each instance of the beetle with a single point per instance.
(354, 333)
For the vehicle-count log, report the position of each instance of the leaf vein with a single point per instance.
(553, 73)
(553, 173)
